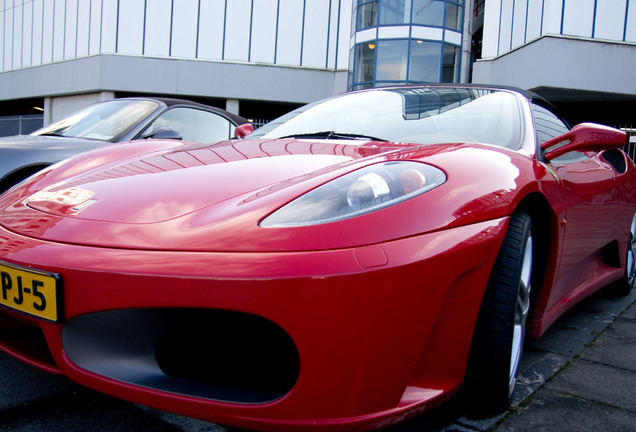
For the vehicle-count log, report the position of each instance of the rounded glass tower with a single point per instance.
(397, 42)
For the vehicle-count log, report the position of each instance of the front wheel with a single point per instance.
(501, 325)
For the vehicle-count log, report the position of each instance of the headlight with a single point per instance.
(363, 191)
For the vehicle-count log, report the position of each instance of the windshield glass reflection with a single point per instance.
(430, 115)
(105, 121)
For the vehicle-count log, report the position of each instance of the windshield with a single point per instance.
(411, 115)
(105, 121)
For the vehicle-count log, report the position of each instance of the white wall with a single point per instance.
(578, 18)
(264, 27)
(592, 65)
(310, 33)
(609, 19)
(510, 24)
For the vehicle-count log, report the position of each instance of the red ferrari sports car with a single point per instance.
(347, 266)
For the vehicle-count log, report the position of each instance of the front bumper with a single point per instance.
(359, 337)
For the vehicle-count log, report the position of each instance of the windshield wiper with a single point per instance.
(333, 135)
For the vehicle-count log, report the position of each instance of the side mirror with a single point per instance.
(243, 130)
(163, 132)
(585, 137)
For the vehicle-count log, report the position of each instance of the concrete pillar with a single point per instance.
(48, 111)
(232, 105)
(467, 38)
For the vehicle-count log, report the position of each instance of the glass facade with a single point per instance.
(428, 12)
(367, 15)
(405, 42)
(425, 61)
(395, 12)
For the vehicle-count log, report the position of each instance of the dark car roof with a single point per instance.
(170, 102)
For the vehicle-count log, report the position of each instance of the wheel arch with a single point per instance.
(497, 342)
(20, 174)
(544, 231)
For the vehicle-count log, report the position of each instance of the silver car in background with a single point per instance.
(112, 121)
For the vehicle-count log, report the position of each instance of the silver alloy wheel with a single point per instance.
(521, 314)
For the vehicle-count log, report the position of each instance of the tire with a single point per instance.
(500, 330)
(624, 285)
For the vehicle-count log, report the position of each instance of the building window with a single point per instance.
(393, 58)
(395, 12)
(367, 15)
(429, 12)
(425, 61)
(449, 71)
(453, 16)
(364, 63)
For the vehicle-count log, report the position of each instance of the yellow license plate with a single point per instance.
(33, 292)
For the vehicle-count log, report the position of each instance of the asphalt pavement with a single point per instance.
(581, 375)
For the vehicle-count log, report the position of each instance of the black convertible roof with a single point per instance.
(172, 102)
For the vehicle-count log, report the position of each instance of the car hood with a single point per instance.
(183, 196)
(42, 142)
(25, 150)
(166, 185)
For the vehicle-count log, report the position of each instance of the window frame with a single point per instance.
(151, 126)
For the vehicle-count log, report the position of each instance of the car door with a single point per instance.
(585, 185)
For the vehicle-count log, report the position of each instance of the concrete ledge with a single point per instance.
(178, 77)
(566, 62)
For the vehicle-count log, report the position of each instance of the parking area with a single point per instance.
(580, 374)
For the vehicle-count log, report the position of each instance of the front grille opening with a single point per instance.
(213, 354)
(229, 349)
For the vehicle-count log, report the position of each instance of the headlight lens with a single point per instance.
(363, 191)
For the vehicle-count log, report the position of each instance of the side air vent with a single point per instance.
(615, 158)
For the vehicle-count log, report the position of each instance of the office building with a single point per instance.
(262, 58)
